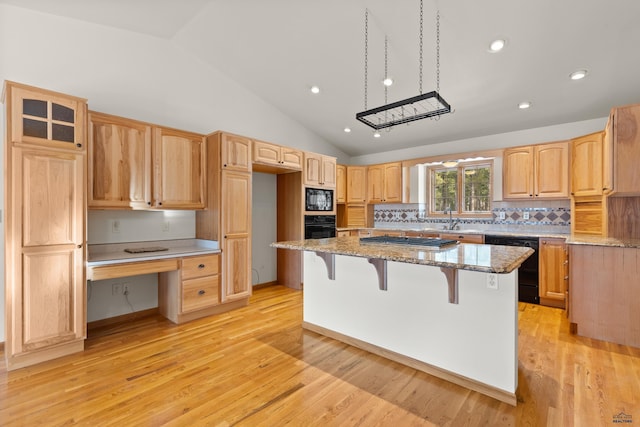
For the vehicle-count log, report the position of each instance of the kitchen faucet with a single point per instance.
(452, 224)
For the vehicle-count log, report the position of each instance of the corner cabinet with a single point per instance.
(384, 183)
(539, 171)
(622, 149)
(319, 170)
(554, 272)
(45, 253)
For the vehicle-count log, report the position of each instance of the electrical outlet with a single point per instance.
(125, 288)
(492, 281)
(115, 226)
(116, 289)
(525, 215)
(502, 214)
(166, 226)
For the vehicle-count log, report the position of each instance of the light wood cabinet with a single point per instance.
(276, 155)
(554, 272)
(356, 184)
(539, 171)
(384, 183)
(236, 235)
(463, 238)
(45, 233)
(589, 215)
(119, 163)
(179, 169)
(587, 165)
(121, 154)
(319, 170)
(235, 152)
(622, 142)
(191, 291)
(341, 184)
(356, 215)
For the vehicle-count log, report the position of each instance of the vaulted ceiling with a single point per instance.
(280, 48)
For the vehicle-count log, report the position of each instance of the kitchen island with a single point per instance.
(450, 312)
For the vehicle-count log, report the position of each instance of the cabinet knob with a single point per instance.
(201, 292)
(159, 203)
(79, 246)
(566, 277)
(224, 166)
(149, 203)
(201, 266)
(530, 195)
(79, 145)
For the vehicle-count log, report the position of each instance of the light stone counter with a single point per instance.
(114, 253)
(464, 256)
(603, 241)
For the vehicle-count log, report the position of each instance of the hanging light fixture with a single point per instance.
(408, 110)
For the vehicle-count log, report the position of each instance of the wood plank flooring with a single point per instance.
(256, 366)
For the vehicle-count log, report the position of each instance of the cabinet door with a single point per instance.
(518, 173)
(46, 245)
(626, 150)
(312, 169)
(291, 158)
(552, 170)
(119, 163)
(328, 175)
(341, 184)
(393, 182)
(46, 118)
(179, 163)
(586, 165)
(236, 153)
(375, 184)
(266, 153)
(553, 272)
(356, 184)
(236, 234)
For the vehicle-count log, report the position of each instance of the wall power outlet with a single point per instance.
(492, 281)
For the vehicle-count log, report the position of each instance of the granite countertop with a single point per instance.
(578, 239)
(114, 253)
(506, 233)
(466, 256)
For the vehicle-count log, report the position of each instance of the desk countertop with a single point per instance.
(113, 253)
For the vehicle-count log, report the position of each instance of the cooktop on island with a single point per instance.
(433, 242)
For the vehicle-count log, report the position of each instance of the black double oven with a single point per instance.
(319, 226)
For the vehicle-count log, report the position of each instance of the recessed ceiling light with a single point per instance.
(387, 81)
(376, 134)
(497, 45)
(315, 89)
(347, 130)
(578, 75)
(524, 105)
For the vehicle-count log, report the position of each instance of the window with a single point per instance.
(464, 189)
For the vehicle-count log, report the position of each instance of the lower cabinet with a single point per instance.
(185, 294)
(463, 238)
(553, 272)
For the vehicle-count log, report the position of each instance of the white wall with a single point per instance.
(263, 228)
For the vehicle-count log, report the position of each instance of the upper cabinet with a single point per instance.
(539, 171)
(235, 152)
(134, 165)
(587, 165)
(280, 157)
(119, 162)
(384, 183)
(319, 170)
(356, 184)
(179, 169)
(341, 184)
(622, 149)
(45, 118)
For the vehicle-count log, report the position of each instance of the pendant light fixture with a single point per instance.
(408, 110)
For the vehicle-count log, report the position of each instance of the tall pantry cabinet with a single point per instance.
(45, 192)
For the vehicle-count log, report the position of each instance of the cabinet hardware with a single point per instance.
(79, 145)
(224, 166)
(79, 246)
(201, 266)
(159, 203)
(201, 292)
(149, 203)
(566, 277)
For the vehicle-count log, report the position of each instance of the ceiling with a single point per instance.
(278, 49)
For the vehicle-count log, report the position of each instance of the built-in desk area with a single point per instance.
(188, 273)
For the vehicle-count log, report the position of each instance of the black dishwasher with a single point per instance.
(528, 271)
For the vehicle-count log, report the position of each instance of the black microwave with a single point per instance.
(317, 199)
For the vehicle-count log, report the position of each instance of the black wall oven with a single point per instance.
(319, 226)
(528, 272)
(318, 199)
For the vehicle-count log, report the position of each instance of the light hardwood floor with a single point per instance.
(256, 366)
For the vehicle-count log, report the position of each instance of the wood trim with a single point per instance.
(501, 395)
(43, 355)
(265, 285)
(210, 311)
(113, 271)
(123, 318)
(2, 346)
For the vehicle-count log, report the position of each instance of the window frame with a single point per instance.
(460, 167)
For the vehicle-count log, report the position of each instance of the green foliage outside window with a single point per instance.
(463, 189)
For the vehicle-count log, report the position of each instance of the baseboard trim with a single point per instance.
(2, 346)
(498, 394)
(265, 284)
(123, 318)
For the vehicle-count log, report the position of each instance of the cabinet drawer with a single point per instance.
(199, 266)
(463, 238)
(200, 293)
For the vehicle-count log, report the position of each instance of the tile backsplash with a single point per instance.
(554, 216)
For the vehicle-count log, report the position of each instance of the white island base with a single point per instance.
(473, 343)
